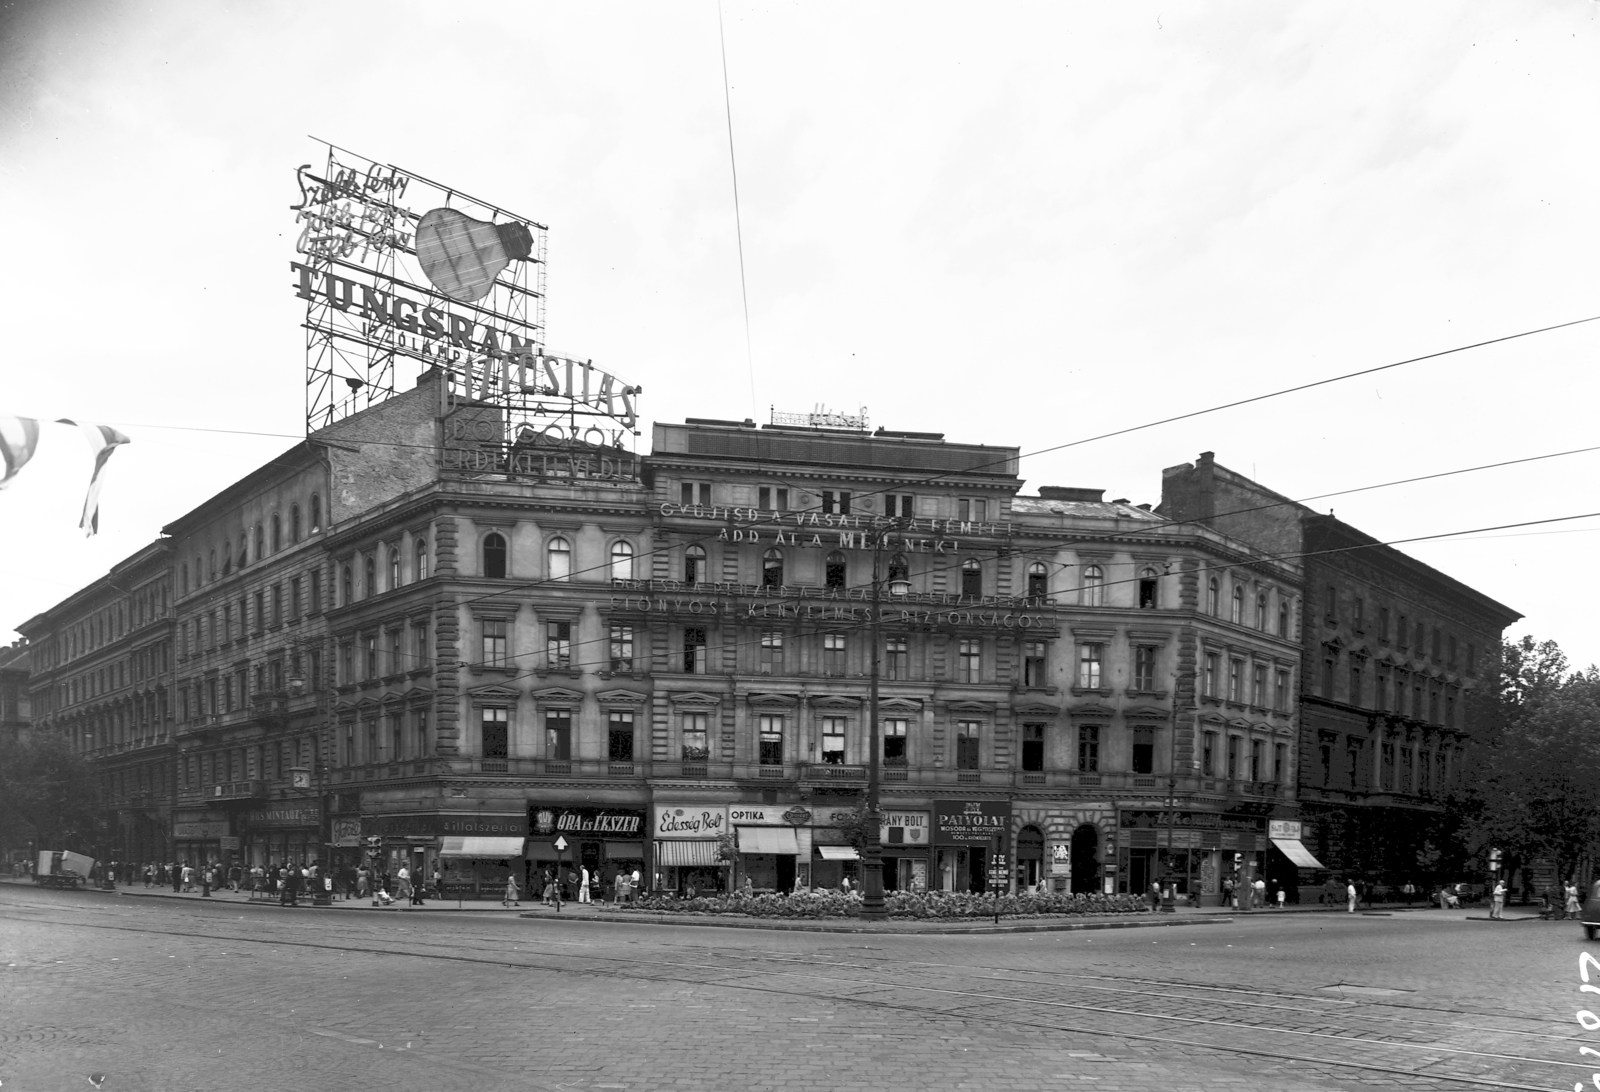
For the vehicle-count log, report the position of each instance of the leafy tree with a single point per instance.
(47, 793)
(1531, 781)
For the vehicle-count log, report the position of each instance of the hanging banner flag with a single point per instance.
(103, 439)
(18, 437)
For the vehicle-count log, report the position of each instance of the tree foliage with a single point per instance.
(48, 793)
(1531, 781)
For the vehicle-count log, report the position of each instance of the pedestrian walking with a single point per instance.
(363, 878)
(1573, 908)
(188, 878)
(402, 880)
(1497, 901)
(512, 896)
(417, 891)
(583, 884)
(1350, 897)
(1154, 895)
(438, 882)
(1260, 893)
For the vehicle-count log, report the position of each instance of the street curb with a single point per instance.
(822, 926)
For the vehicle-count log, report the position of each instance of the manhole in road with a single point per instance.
(1364, 991)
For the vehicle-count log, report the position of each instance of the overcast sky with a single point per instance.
(1013, 224)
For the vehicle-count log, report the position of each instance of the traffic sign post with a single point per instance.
(999, 875)
(561, 862)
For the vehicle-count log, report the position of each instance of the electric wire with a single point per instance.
(738, 219)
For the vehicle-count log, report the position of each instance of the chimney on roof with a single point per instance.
(1071, 493)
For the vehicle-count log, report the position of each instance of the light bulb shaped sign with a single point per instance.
(463, 256)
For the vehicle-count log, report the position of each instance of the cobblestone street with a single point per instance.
(164, 994)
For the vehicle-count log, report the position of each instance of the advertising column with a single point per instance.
(966, 833)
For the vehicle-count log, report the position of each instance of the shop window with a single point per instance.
(1208, 755)
(1033, 664)
(1091, 659)
(1093, 592)
(1032, 746)
(419, 550)
(1236, 615)
(1144, 667)
(1088, 748)
(833, 740)
(621, 560)
(896, 658)
(969, 660)
(770, 660)
(899, 568)
(1233, 758)
(1038, 580)
(969, 733)
(694, 564)
(1144, 750)
(694, 650)
(772, 568)
(495, 723)
(619, 736)
(894, 741)
(694, 743)
(495, 650)
(833, 570)
(494, 555)
(771, 741)
(972, 578)
(558, 559)
(622, 648)
(558, 734)
(558, 645)
(833, 654)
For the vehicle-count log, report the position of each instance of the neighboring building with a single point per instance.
(14, 707)
(102, 676)
(1390, 647)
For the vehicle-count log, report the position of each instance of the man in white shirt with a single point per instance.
(583, 884)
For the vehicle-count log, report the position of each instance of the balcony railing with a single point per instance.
(239, 790)
(831, 771)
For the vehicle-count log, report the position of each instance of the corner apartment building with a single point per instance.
(1390, 648)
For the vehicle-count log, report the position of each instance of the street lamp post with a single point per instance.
(872, 908)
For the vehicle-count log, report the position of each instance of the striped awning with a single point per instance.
(838, 853)
(768, 840)
(686, 853)
(492, 848)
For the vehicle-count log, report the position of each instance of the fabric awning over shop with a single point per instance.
(838, 853)
(1296, 852)
(481, 847)
(768, 840)
(686, 853)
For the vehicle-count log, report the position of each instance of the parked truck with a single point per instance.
(62, 868)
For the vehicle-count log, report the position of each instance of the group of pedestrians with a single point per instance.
(583, 883)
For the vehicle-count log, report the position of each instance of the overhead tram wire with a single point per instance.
(738, 218)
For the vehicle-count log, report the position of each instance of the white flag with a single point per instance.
(104, 440)
(18, 437)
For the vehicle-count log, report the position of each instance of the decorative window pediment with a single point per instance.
(835, 701)
(773, 701)
(900, 705)
(1213, 718)
(694, 698)
(1034, 709)
(1146, 712)
(621, 697)
(970, 706)
(1092, 711)
(494, 694)
(558, 694)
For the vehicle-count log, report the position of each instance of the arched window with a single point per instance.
(494, 555)
(694, 564)
(558, 559)
(211, 568)
(772, 568)
(370, 588)
(1213, 604)
(1038, 580)
(421, 547)
(244, 549)
(833, 570)
(277, 533)
(1149, 589)
(1283, 617)
(316, 513)
(394, 567)
(346, 590)
(184, 581)
(227, 558)
(1261, 612)
(621, 560)
(972, 578)
(899, 568)
(1237, 616)
(1094, 586)
(261, 543)
(294, 523)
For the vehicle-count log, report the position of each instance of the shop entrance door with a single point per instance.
(1141, 871)
(1085, 859)
(785, 872)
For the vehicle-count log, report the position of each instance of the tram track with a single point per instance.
(890, 982)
